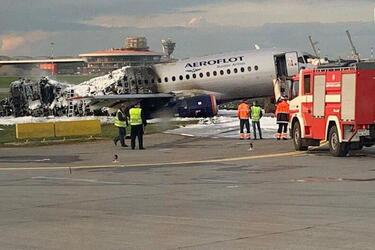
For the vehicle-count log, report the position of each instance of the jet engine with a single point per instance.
(197, 106)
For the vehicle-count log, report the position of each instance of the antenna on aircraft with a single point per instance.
(313, 45)
(257, 47)
(354, 51)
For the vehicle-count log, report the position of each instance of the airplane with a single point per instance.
(195, 86)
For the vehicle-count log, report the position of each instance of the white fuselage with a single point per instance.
(229, 76)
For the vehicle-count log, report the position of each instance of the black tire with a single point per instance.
(356, 146)
(336, 147)
(297, 140)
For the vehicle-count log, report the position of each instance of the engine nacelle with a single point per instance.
(197, 106)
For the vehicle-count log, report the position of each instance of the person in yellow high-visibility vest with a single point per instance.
(255, 115)
(121, 122)
(137, 124)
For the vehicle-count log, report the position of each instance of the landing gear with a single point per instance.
(297, 140)
(336, 147)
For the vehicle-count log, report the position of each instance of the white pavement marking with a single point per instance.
(73, 179)
(294, 153)
(38, 160)
(219, 181)
(189, 135)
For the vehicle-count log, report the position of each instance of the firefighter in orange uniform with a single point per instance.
(243, 114)
(282, 118)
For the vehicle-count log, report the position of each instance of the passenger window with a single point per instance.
(146, 81)
(208, 74)
(187, 77)
(242, 69)
(201, 75)
(256, 67)
(181, 78)
(166, 79)
(214, 73)
(194, 76)
(152, 80)
(221, 72)
(173, 78)
(306, 85)
(228, 71)
(249, 68)
(159, 80)
(235, 70)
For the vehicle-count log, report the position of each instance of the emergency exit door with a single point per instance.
(286, 64)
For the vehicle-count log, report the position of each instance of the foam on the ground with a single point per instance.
(225, 125)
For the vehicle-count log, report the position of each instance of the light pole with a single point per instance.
(52, 66)
(52, 43)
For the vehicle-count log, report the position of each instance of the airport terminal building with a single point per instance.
(135, 52)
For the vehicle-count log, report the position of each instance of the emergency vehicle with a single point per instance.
(334, 104)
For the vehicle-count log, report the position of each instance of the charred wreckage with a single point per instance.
(99, 96)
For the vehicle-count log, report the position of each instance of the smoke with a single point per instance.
(197, 21)
(11, 42)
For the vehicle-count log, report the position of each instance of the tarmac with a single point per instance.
(186, 193)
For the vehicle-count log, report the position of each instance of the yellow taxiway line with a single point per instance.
(294, 153)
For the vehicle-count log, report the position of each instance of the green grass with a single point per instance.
(6, 80)
(109, 131)
(7, 134)
(3, 95)
(72, 79)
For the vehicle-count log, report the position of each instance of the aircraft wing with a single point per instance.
(153, 99)
(114, 100)
(195, 92)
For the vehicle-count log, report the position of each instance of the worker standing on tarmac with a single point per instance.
(282, 118)
(137, 124)
(121, 122)
(243, 113)
(255, 115)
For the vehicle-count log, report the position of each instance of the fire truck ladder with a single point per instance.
(71, 104)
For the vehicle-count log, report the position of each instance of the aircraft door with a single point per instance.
(292, 63)
(286, 65)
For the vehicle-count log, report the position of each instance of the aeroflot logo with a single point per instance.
(195, 66)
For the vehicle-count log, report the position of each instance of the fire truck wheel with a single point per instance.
(336, 147)
(297, 140)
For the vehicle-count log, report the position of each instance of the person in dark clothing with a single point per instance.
(137, 124)
(121, 122)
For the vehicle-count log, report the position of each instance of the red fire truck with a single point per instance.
(334, 104)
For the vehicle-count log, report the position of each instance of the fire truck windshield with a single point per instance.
(294, 89)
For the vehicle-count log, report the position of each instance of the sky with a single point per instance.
(199, 27)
